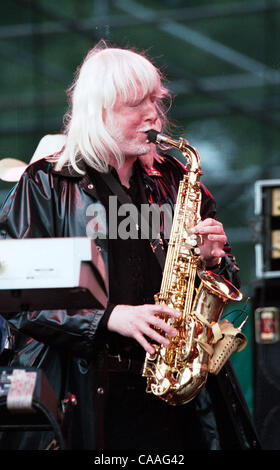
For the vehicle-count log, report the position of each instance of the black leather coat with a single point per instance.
(68, 345)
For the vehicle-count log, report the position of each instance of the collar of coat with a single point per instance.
(161, 182)
(69, 171)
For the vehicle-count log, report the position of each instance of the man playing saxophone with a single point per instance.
(116, 98)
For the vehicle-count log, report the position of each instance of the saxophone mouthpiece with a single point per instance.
(161, 139)
(152, 136)
(157, 138)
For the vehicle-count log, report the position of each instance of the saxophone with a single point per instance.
(177, 373)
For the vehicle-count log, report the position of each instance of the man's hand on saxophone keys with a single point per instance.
(143, 323)
(214, 240)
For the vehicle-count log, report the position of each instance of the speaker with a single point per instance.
(267, 228)
(266, 362)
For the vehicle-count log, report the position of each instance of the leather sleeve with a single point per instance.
(29, 212)
(63, 329)
(228, 267)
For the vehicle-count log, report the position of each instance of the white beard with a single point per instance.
(130, 147)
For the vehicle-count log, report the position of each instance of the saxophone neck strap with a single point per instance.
(146, 229)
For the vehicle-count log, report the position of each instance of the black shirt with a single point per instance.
(134, 272)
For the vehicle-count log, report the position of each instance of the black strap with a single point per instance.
(156, 244)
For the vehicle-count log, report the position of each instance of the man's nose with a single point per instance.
(151, 113)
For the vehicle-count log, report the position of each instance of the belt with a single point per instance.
(124, 364)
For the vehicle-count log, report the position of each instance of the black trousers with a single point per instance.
(136, 420)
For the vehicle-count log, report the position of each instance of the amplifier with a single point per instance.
(266, 371)
(267, 228)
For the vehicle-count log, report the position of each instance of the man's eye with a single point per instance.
(137, 103)
(132, 104)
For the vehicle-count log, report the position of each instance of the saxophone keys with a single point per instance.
(193, 353)
(161, 388)
(194, 241)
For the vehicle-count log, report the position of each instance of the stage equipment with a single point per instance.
(266, 308)
(267, 229)
(266, 357)
(51, 273)
(36, 274)
(177, 373)
(28, 403)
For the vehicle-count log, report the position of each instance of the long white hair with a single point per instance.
(106, 74)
